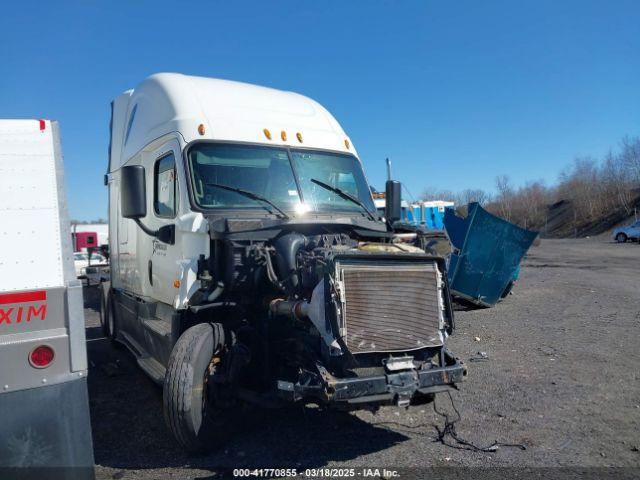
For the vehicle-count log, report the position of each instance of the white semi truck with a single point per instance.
(249, 265)
(45, 428)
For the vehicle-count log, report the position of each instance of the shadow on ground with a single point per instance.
(129, 430)
(91, 297)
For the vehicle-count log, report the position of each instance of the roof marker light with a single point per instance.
(346, 143)
(201, 129)
(267, 133)
(176, 284)
(299, 136)
(283, 136)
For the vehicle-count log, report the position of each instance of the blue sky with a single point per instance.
(454, 92)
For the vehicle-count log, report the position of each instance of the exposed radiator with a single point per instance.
(390, 306)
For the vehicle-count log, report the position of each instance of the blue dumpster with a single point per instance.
(487, 252)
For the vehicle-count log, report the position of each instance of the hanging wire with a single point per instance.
(449, 430)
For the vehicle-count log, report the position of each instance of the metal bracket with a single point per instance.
(403, 385)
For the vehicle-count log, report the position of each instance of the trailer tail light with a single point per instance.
(41, 356)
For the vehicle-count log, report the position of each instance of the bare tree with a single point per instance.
(431, 193)
(594, 188)
(505, 196)
(476, 195)
(631, 157)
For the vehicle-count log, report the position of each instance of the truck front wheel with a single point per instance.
(192, 417)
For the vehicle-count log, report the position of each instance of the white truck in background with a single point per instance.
(44, 409)
(249, 266)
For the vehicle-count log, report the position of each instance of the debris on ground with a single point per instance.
(479, 357)
(449, 430)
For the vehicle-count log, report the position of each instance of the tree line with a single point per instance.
(588, 190)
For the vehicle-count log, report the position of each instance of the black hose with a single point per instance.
(287, 247)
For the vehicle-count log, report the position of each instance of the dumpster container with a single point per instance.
(487, 251)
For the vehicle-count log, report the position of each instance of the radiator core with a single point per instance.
(391, 306)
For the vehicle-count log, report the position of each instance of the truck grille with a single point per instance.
(391, 306)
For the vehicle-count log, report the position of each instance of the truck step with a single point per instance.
(153, 368)
(159, 327)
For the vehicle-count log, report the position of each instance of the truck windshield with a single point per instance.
(337, 170)
(264, 171)
(276, 173)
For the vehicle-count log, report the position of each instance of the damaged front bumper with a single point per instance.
(399, 387)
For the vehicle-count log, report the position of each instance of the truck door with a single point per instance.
(162, 268)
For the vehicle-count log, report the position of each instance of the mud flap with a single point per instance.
(46, 432)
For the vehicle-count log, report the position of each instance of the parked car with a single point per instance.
(94, 271)
(628, 232)
(81, 262)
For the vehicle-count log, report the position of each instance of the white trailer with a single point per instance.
(44, 408)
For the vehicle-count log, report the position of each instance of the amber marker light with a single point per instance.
(176, 284)
(283, 136)
(267, 133)
(201, 129)
(299, 137)
(346, 143)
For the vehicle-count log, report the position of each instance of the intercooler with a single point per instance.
(390, 306)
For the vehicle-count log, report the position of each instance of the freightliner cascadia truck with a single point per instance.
(45, 430)
(249, 265)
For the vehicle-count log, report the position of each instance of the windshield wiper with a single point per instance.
(251, 195)
(346, 196)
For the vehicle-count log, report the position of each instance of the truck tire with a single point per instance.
(103, 292)
(112, 322)
(107, 314)
(191, 416)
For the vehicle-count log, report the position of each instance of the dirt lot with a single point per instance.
(562, 377)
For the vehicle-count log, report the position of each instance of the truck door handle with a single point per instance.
(150, 272)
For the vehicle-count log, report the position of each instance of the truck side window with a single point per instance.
(164, 199)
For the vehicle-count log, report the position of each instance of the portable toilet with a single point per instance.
(430, 214)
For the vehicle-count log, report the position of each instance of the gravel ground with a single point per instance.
(561, 377)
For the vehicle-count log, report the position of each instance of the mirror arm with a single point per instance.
(145, 229)
(166, 234)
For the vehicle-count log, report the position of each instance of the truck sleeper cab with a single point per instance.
(248, 264)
